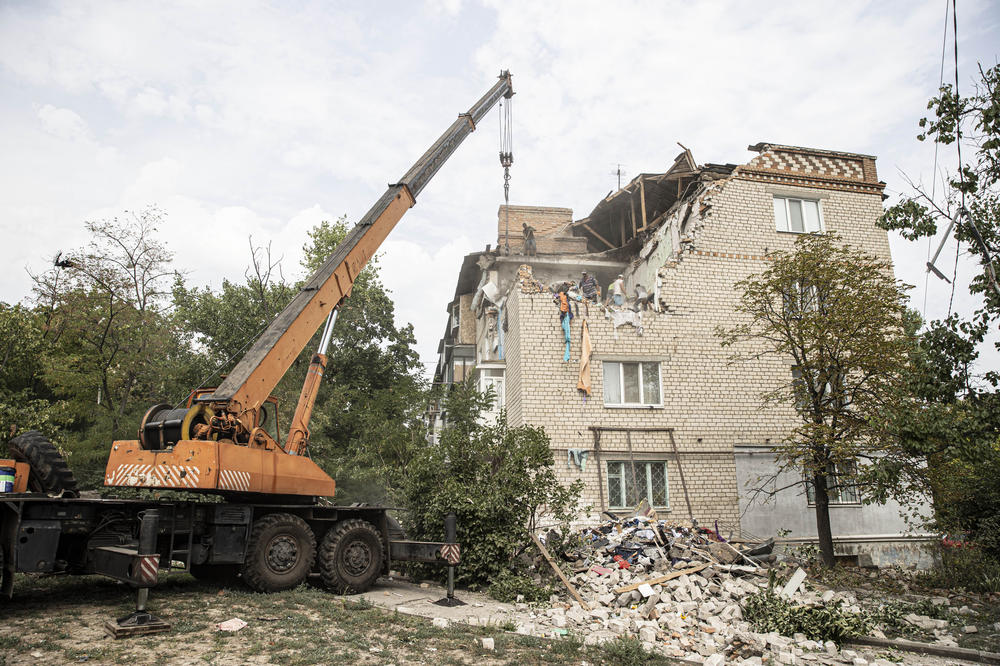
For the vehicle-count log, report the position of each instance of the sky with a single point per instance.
(257, 120)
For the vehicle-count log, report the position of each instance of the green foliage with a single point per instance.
(767, 611)
(508, 585)
(947, 420)
(627, 651)
(498, 480)
(970, 568)
(918, 215)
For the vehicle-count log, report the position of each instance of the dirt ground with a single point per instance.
(61, 620)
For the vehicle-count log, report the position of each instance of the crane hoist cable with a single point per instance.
(506, 160)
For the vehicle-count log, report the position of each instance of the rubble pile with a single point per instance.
(679, 589)
(529, 285)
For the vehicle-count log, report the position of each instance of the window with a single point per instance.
(839, 486)
(650, 483)
(801, 298)
(797, 215)
(631, 384)
(493, 377)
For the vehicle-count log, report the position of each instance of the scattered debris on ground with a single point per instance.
(685, 591)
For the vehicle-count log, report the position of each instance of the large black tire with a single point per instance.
(49, 471)
(350, 557)
(280, 554)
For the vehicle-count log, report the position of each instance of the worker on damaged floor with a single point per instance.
(565, 316)
(617, 290)
(588, 284)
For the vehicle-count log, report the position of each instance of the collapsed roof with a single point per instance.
(626, 214)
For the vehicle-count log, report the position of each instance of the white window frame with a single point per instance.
(784, 226)
(497, 381)
(837, 495)
(621, 385)
(622, 471)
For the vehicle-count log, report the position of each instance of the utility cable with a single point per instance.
(934, 174)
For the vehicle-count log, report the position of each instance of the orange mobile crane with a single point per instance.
(273, 529)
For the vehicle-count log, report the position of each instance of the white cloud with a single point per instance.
(241, 118)
(63, 123)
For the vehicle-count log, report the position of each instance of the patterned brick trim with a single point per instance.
(729, 255)
(795, 178)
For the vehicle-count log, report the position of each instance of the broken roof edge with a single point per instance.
(763, 146)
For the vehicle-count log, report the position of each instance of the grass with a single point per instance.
(61, 620)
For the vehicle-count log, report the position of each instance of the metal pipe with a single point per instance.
(324, 341)
(148, 529)
(450, 536)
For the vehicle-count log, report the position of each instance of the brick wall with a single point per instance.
(710, 402)
(548, 222)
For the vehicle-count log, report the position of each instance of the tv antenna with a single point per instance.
(619, 171)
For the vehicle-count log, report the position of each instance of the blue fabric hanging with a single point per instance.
(565, 327)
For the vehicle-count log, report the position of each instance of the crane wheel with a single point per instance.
(350, 556)
(280, 553)
(49, 472)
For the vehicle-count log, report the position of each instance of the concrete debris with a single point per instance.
(793, 583)
(234, 624)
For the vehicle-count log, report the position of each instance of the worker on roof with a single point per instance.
(588, 285)
(530, 248)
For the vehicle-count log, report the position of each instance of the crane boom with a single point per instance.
(218, 442)
(262, 367)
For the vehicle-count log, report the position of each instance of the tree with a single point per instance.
(948, 418)
(26, 403)
(972, 196)
(105, 313)
(836, 315)
(498, 480)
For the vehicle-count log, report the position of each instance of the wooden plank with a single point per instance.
(621, 226)
(631, 203)
(662, 579)
(598, 236)
(642, 201)
(562, 576)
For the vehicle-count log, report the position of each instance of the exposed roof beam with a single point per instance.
(598, 236)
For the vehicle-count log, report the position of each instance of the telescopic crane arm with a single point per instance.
(218, 442)
(245, 389)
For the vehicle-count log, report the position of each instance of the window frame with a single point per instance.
(847, 470)
(623, 486)
(621, 385)
(821, 226)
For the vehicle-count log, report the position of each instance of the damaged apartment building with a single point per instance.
(648, 404)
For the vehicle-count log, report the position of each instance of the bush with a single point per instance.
(968, 567)
(626, 651)
(767, 611)
(507, 585)
(498, 480)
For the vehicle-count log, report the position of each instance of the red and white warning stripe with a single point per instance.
(147, 569)
(234, 480)
(155, 476)
(450, 552)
